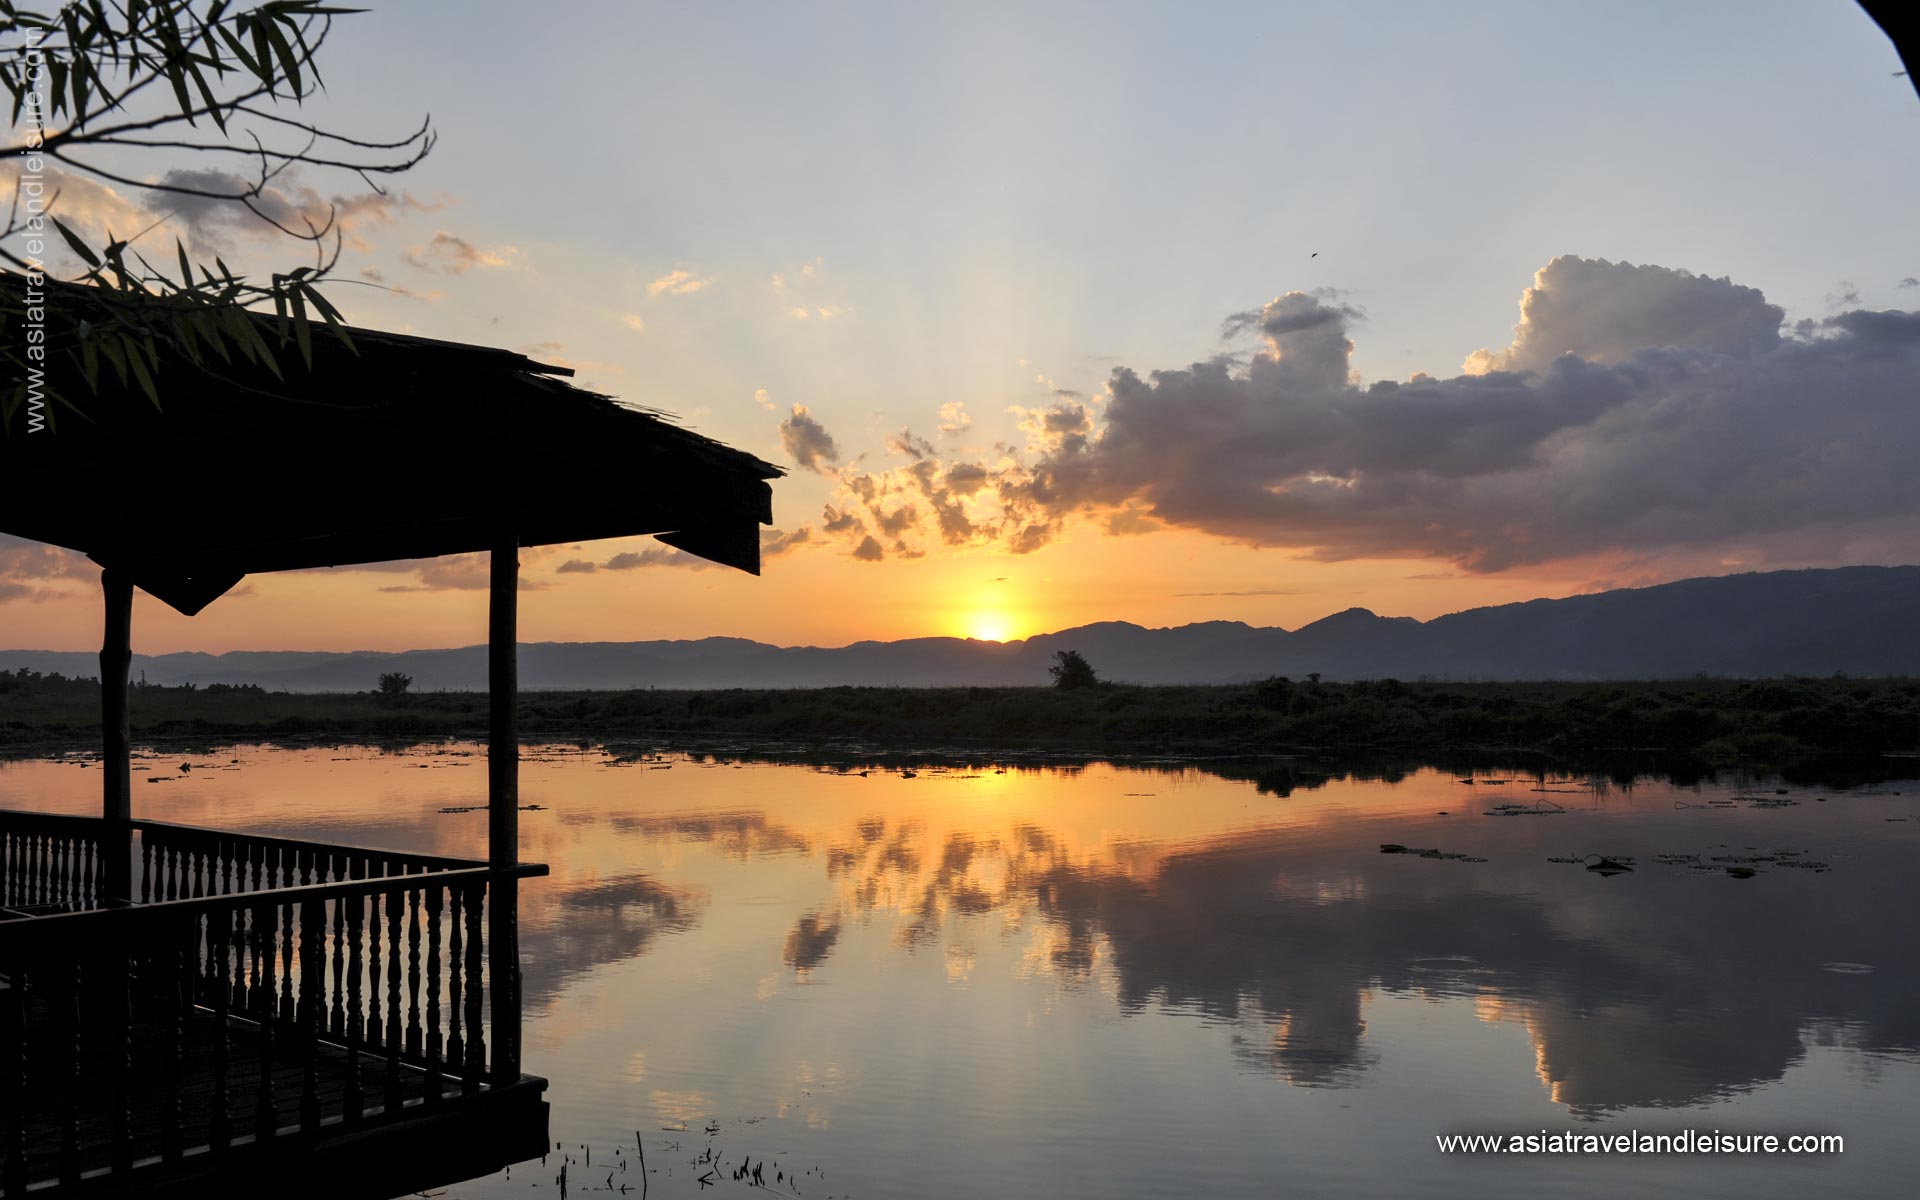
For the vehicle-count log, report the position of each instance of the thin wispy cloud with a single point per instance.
(677, 283)
(378, 278)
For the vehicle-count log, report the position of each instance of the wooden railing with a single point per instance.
(50, 862)
(261, 988)
(54, 863)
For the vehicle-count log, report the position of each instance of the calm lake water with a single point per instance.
(1120, 981)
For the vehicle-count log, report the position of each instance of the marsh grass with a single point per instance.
(1775, 723)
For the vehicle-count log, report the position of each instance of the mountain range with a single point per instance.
(1856, 620)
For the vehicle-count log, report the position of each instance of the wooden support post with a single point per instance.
(116, 754)
(503, 806)
(503, 684)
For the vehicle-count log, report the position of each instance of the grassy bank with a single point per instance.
(1729, 722)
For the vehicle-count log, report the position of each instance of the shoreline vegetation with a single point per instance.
(1778, 725)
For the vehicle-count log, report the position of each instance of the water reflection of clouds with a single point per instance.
(1285, 938)
(611, 920)
(1660, 988)
(737, 835)
(810, 941)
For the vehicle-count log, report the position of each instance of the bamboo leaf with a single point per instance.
(331, 315)
(75, 244)
(116, 358)
(289, 63)
(56, 86)
(302, 328)
(136, 359)
(239, 49)
(206, 94)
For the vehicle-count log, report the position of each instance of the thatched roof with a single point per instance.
(400, 448)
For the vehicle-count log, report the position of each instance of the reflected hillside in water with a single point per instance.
(1249, 897)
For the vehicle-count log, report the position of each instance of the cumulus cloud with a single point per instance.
(906, 444)
(652, 556)
(94, 209)
(451, 573)
(85, 205)
(676, 283)
(1605, 312)
(211, 215)
(33, 571)
(954, 419)
(807, 441)
(1637, 409)
(451, 254)
(773, 544)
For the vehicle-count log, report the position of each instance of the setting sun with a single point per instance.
(990, 626)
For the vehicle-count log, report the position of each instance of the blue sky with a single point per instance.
(1082, 184)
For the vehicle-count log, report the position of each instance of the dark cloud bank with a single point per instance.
(1638, 408)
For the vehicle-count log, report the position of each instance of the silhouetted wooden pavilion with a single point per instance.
(182, 1008)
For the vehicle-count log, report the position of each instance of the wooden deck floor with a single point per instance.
(90, 1100)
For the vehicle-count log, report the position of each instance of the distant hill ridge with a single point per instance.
(1857, 620)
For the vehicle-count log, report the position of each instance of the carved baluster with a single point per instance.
(456, 970)
(413, 972)
(375, 1020)
(355, 1025)
(337, 1022)
(476, 1065)
(242, 942)
(286, 940)
(394, 901)
(436, 1079)
(313, 933)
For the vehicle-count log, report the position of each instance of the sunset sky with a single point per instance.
(1147, 312)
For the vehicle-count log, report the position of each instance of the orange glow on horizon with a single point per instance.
(1159, 579)
(991, 626)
